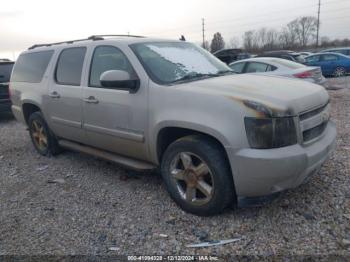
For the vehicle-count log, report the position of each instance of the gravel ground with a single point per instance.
(74, 204)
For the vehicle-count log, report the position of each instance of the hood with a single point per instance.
(280, 95)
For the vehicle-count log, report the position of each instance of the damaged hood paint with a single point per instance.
(282, 96)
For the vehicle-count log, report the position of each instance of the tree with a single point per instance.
(305, 29)
(234, 42)
(248, 40)
(217, 43)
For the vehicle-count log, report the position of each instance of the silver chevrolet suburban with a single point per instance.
(218, 138)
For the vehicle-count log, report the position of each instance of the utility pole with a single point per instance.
(203, 29)
(318, 23)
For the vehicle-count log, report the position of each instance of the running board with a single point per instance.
(122, 160)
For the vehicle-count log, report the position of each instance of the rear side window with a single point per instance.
(237, 68)
(70, 66)
(253, 67)
(5, 72)
(312, 59)
(31, 67)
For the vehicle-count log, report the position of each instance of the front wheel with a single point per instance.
(197, 175)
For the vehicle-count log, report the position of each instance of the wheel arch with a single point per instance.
(28, 108)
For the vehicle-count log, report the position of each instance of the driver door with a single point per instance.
(114, 119)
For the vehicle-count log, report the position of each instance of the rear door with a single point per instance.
(114, 119)
(328, 63)
(65, 94)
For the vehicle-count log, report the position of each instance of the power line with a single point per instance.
(318, 22)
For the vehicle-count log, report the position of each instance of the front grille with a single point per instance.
(314, 132)
(313, 123)
(312, 113)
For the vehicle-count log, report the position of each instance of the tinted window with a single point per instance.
(5, 72)
(31, 67)
(312, 59)
(70, 66)
(107, 58)
(256, 67)
(237, 68)
(329, 58)
(270, 68)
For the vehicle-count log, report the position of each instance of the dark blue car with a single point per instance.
(332, 64)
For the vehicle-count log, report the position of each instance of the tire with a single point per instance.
(197, 189)
(339, 72)
(42, 137)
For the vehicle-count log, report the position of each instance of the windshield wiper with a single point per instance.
(192, 76)
(224, 72)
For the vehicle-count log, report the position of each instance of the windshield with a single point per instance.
(170, 62)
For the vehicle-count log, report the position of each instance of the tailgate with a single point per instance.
(4, 91)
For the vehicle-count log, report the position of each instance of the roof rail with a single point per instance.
(93, 38)
(101, 36)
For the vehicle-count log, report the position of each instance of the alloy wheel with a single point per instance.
(39, 135)
(193, 178)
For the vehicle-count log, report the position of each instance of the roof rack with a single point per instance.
(93, 38)
(5, 60)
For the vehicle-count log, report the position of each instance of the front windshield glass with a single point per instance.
(173, 62)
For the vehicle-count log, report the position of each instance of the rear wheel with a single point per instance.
(42, 137)
(197, 176)
(339, 71)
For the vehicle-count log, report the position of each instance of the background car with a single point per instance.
(285, 54)
(306, 53)
(230, 55)
(280, 67)
(341, 50)
(332, 64)
(5, 72)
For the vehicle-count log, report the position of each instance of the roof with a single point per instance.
(128, 39)
(337, 48)
(325, 53)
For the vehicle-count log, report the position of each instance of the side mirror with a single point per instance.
(119, 79)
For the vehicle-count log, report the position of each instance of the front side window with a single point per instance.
(30, 67)
(70, 66)
(238, 67)
(253, 67)
(329, 58)
(170, 62)
(107, 58)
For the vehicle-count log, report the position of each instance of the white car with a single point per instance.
(279, 67)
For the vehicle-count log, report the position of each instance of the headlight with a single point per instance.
(263, 133)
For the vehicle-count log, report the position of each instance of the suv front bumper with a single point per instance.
(265, 172)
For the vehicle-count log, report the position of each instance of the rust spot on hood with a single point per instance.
(262, 110)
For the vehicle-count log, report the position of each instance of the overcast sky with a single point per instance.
(24, 23)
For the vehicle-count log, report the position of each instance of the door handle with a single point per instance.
(54, 94)
(91, 100)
